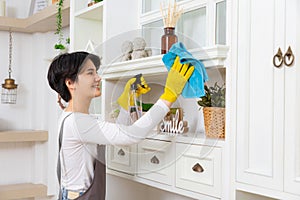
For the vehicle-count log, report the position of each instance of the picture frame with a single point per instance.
(37, 5)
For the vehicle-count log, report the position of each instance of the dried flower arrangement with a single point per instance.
(171, 14)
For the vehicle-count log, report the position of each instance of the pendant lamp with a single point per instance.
(9, 88)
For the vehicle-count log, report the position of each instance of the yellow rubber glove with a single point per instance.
(142, 88)
(176, 80)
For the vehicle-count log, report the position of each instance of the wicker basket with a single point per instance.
(214, 121)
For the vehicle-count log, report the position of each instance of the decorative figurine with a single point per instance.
(139, 50)
(127, 48)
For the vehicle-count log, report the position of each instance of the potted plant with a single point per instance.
(59, 45)
(213, 104)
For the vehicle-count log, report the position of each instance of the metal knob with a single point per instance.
(198, 168)
(121, 152)
(154, 160)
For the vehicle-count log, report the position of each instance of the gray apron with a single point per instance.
(97, 189)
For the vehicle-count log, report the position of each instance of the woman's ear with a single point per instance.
(70, 84)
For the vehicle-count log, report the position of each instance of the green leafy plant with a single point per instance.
(214, 96)
(59, 44)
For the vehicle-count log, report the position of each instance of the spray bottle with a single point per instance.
(135, 102)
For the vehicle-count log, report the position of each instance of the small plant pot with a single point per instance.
(214, 122)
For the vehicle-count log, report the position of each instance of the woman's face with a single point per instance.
(88, 83)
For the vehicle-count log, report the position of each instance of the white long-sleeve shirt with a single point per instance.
(82, 133)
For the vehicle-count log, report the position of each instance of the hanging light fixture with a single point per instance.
(9, 88)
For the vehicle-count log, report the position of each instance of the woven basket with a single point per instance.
(214, 122)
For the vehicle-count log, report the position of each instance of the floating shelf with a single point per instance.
(21, 191)
(210, 57)
(23, 136)
(42, 21)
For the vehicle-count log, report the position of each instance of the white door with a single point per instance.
(260, 93)
(292, 102)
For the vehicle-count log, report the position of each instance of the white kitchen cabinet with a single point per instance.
(160, 161)
(292, 97)
(267, 121)
(203, 22)
(153, 161)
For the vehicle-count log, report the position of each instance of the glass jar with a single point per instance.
(168, 39)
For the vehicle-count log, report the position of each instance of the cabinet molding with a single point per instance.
(210, 56)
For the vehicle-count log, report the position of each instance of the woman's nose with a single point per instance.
(98, 78)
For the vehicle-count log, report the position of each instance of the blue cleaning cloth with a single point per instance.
(194, 88)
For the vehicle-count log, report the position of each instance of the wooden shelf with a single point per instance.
(23, 136)
(21, 191)
(42, 21)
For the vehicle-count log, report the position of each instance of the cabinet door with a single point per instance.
(260, 94)
(292, 106)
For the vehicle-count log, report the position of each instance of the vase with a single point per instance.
(168, 39)
(214, 122)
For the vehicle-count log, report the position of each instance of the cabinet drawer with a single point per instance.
(122, 158)
(198, 169)
(156, 161)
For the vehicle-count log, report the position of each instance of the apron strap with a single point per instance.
(58, 168)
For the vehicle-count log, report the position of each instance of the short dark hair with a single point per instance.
(67, 66)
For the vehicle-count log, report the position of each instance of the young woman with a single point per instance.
(82, 137)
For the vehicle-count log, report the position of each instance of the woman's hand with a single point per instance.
(142, 88)
(178, 75)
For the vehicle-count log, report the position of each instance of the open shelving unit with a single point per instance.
(42, 21)
(23, 190)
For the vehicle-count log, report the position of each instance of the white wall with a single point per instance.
(36, 108)
(17, 116)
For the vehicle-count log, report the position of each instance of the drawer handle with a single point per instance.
(279, 57)
(121, 152)
(154, 160)
(289, 57)
(198, 168)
